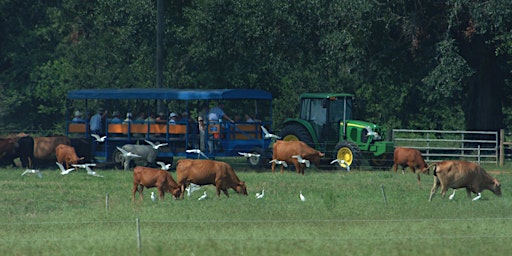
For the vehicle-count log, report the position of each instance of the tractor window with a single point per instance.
(337, 109)
(314, 110)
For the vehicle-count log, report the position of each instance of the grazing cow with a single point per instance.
(148, 154)
(410, 157)
(83, 148)
(462, 174)
(206, 172)
(152, 177)
(66, 154)
(285, 150)
(8, 147)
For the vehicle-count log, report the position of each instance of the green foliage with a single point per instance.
(343, 211)
(411, 65)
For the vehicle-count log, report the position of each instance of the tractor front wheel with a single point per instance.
(348, 155)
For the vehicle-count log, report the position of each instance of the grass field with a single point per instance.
(345, 213)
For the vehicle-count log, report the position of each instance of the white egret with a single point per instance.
(302, 161)
(63, 170)
(164, 166)
(198, 152)
(32, 171)
(203, 197)
(279, 162)
(155, 146)
(269, 135)
(302, 197)
(98, 138)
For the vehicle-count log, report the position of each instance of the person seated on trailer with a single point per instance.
(78, 117)
(160, 119)
(116, 119)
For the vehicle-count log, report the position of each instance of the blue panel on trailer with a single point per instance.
(169, 94)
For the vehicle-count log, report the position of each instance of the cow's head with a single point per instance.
(241, 188)
(315, 157)
(176, 192)
(496, 187)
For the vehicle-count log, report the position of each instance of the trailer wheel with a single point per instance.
(117, 158)
(349, 153)
(257, 162)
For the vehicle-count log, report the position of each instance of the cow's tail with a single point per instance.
(434, 170)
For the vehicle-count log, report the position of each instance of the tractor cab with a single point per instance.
(325, 113)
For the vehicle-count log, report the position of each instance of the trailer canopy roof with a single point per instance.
(169, 94)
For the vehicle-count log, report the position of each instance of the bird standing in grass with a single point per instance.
(203, 197)
(302, 197)
(259, 196)
(153, 197)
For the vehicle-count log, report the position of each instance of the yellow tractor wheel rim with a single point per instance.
(346, 155)
(290, 137)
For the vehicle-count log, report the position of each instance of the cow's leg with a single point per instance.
(434, 188)
(419, 180)
(443, 190)
(134, 190)
(225, 190)
(141, 189)
(273, 166)
(282, 169)
(395, 167)
(161, 193)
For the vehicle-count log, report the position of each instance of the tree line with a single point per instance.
(411, 64)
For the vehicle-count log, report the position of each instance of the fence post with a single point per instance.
(138, 234)
(502, 149)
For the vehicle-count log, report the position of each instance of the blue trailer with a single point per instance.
(220, 139)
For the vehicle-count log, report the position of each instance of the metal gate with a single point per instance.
(436, 145)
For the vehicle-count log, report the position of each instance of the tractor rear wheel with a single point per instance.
(294, 132)
(349, 153)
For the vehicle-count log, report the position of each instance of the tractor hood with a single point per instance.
(373, 130)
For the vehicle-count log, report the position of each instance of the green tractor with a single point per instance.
(325, 123)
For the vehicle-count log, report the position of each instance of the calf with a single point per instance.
(410, 157)
(462, 174)
(152, 177)
(206, 172)
(148, 154)
(66, 154)
(285, 150)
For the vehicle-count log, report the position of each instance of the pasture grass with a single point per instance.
(345, 213)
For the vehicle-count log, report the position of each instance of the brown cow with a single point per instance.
(463, 174)
(152, 177)
(410, 157)
(7, 147)
(285, 150)
(206, 172)
(44, 147)
(66, 154)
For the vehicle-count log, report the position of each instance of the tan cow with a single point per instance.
(410, 157)
(463, 174)
(285, 150)
(206, 172)
(66, 154)
(152, 177)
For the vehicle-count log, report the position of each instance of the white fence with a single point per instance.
(436, 145)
